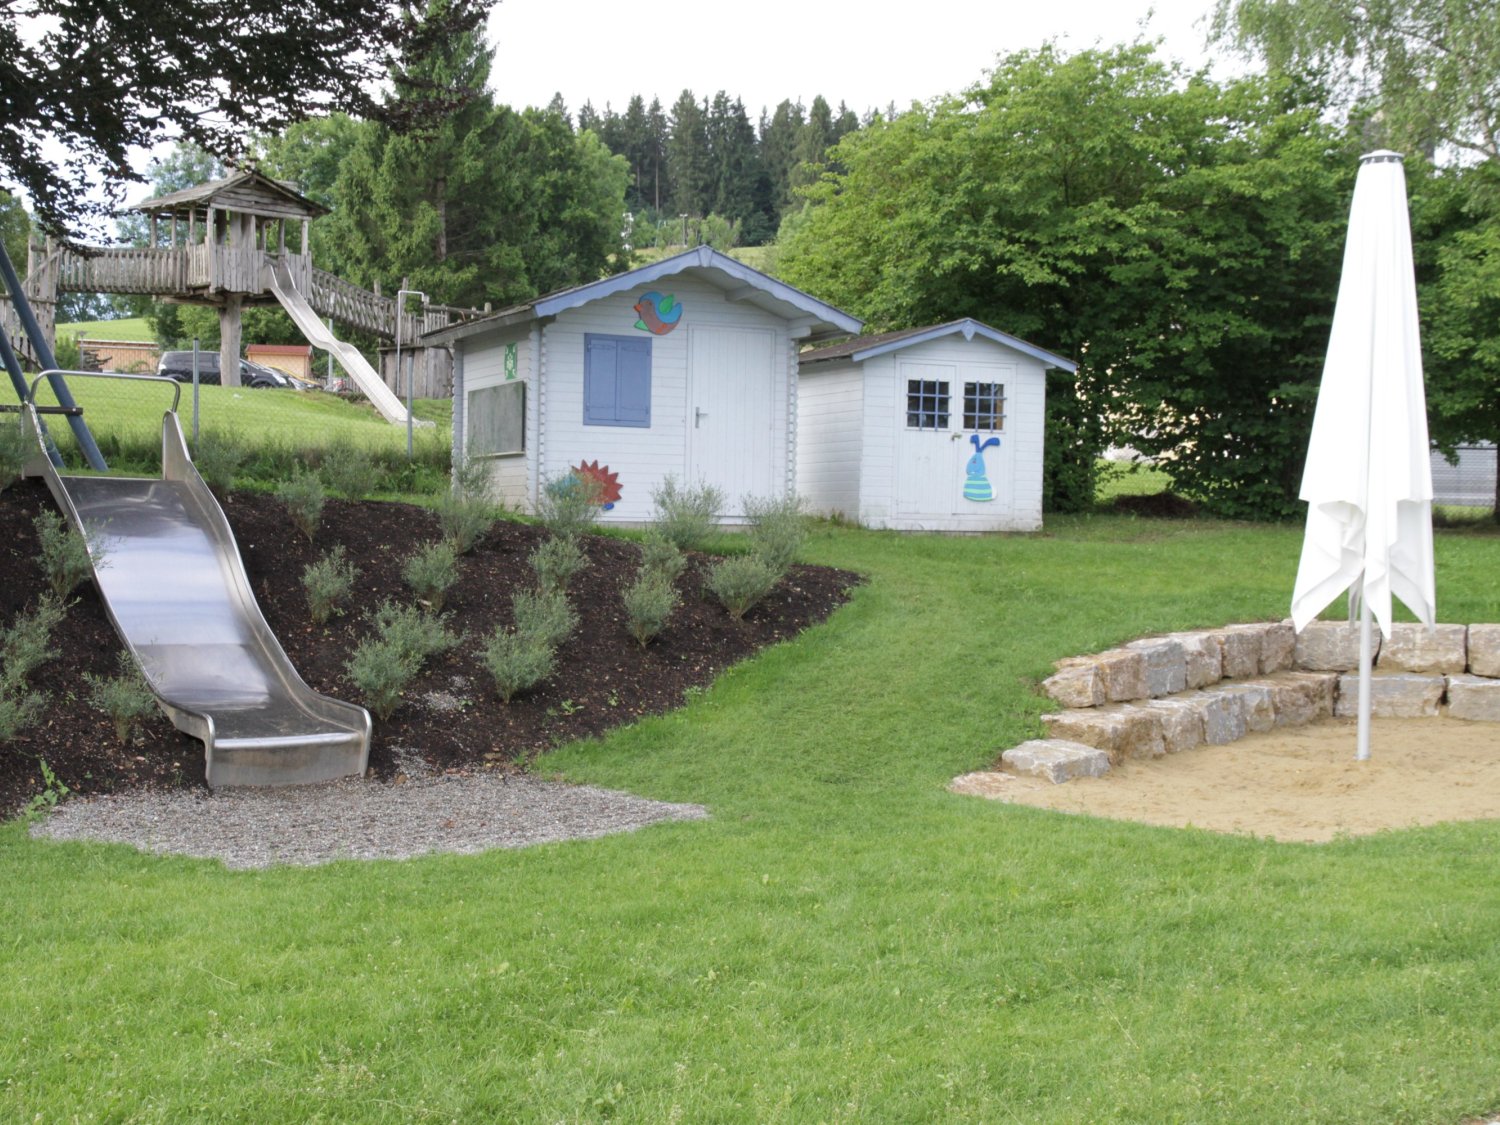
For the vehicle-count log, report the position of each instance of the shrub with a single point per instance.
(686, 516)
(545, 616)
(65, 553)
(741, 582)
(430, 572)
(350, 471)
(517, 661)
(328, 583)
(420, 634)
(660, 556)
(20, 710)
(381, 669)
(569, 505)
(218, 457)
(304, 497)
(27, 644)
(777, 529)
(465, 511)
(649, 602)
(15, 447)
(556, 561)
(124, 697)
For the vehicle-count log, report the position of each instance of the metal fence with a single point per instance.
(1467, 483)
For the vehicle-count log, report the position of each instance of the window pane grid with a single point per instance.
(926, 404)
(984, 406)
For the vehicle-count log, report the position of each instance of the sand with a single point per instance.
(1297, 783)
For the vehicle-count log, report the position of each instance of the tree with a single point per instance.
(101, 80)
(688, 155)
(778, 143)
(1428, 71)
(15, 229)
(1180, 239)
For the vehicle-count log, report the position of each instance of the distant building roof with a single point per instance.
(280, 349)
(861, 348)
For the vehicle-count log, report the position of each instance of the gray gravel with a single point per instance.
(357, 819)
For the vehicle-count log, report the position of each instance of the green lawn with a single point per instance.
(843, 941)
(133, 328)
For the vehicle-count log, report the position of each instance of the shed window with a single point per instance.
(984, 406)
(926, 404)
(616, 381)
(497, 420)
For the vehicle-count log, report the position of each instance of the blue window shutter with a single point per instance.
(616, 381)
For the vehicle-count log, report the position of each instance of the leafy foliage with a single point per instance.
(649, 602)
(420, 634)
(328, 583)
(740, 582)
(430, 572)
(124, 697)
(660, 556)
(350, 471)
(465, 512)
(218, 456)
(545, 615)
(304, 498)
(25, 645)
(382, 670)
(15, 447)
(517, 661)
(556, 561)
(685, 515)
(569, 505)
(64, 553)
(778, 529)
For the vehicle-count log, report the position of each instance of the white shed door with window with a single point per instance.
(731, 423)
(942, 406)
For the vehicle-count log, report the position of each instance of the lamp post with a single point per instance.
(401, 294)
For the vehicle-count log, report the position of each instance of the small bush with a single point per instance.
(15, 447)
(65, 554)
(517, 661)
(382, 669)
(686, 516)
(777, 529)
(569, 505)
(350, 471)
(218, 458)
(420, 634)
(649, 602)
(555, 563)
(304, 498)
(328, 583)
(741, 582)
(465, 511)
(27, 644)
(19, 711)
(660, 556)
(430, 572)
(124, 697)
(545, 616)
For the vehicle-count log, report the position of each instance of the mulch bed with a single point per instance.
(451, 718)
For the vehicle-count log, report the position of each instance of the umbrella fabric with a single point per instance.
(1368, 479)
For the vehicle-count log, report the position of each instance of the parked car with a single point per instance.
(179, 366)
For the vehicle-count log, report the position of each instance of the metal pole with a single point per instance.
(195, 391)
(1362, 738)
(400, 315)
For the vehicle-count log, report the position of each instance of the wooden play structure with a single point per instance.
(229, 244)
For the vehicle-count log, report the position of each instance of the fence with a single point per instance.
(1468, 483)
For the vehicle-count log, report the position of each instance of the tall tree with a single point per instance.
(689, 157)
(657, 172)
(102, 80)
(778, 145)
(813, 141)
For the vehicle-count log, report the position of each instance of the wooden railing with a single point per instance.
(130, 269)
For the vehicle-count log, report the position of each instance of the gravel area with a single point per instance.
(357, 819)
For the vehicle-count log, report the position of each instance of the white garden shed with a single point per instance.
(685, 367)
(928, 429)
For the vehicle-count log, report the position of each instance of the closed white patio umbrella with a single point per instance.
(1368, 479)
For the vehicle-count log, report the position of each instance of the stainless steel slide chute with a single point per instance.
(173, 583)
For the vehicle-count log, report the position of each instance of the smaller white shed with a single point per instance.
(928, 429)
(686, 367)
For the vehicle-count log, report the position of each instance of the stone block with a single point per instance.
(1124, 674)
(1278, 648)
(1239, 650)
(1223, 717)
(1120, 731)
(1253, 698)
(1393, 695)
(1303, 697)
(1444, 651)
(1204, 660)
(1166, 665)
(1474, 697)
(1484, 650)
(1181, 724)
(1076, 683)
(1057, 760)
(1331, 646)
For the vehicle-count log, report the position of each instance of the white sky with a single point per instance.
(865, 54)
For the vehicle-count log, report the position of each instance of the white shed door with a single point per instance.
(942, 406)
(732, 430)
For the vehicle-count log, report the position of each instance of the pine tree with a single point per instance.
(687, 152)
(778, 143)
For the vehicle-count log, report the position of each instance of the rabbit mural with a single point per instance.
(976, 484)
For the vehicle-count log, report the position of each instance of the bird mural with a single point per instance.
(976, 484)
(658, 314)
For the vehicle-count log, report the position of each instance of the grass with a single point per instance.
(131, 328)
(1130, 478)
(843, 941)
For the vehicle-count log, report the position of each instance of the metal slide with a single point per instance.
(174, 585)
(365, 377)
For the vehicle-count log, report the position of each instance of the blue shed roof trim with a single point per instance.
(868, 347)
(701, 257)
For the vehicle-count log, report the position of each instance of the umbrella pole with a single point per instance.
(1362, 743)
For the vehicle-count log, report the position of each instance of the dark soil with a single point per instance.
(451, 719)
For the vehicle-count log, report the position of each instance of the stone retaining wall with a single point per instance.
(1166, 694)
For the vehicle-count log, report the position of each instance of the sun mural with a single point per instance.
(608, 483)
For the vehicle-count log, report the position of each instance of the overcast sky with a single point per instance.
(865, 54)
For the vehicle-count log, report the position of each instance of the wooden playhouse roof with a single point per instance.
(861, 348)
(246, 191)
